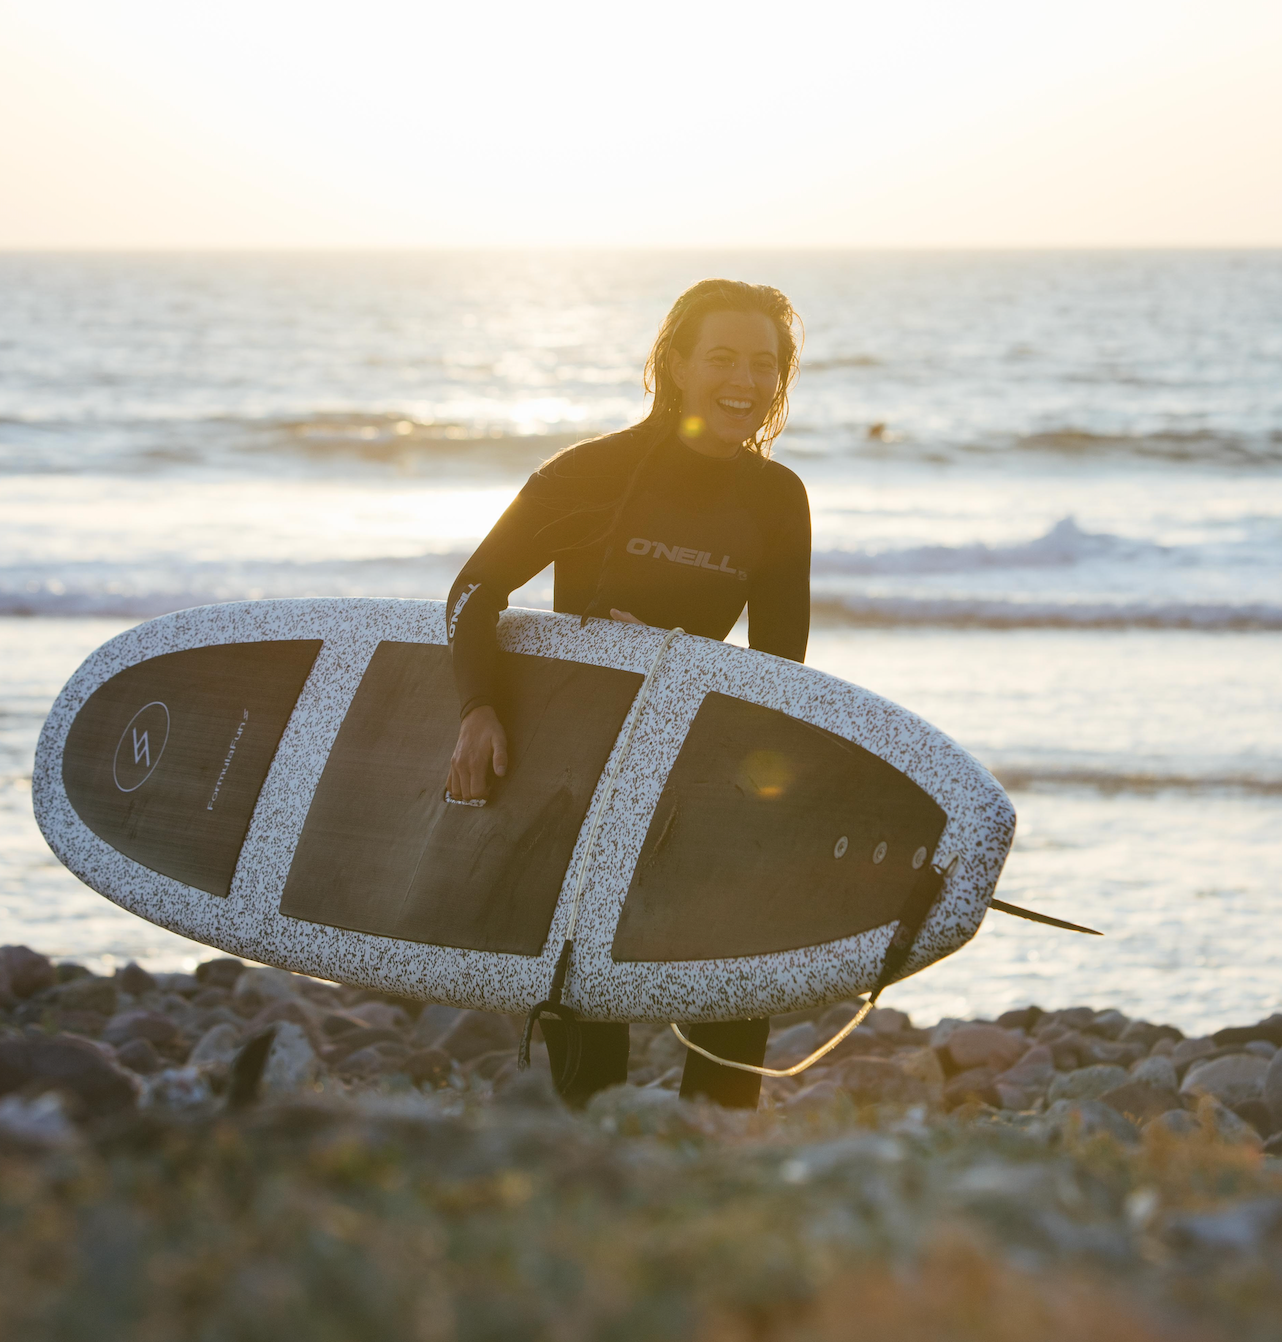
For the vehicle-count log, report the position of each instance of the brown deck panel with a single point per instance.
(166, 760)
(739, 858)
(382, 852)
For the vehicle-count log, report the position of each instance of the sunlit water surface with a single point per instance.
(1047, 496)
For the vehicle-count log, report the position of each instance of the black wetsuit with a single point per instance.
(697, 538)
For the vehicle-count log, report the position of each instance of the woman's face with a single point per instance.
(728, 382)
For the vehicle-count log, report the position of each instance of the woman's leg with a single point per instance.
(736, 1040)
(603, 1058)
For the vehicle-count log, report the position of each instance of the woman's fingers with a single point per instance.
(500, 753)
(624, 616)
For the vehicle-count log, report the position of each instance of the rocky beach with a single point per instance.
(244, 1153)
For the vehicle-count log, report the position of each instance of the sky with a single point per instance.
(678, 123)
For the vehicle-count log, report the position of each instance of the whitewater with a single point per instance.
(1047, 503)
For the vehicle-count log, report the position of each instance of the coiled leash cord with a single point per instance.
(921, 899)
(552, 1005)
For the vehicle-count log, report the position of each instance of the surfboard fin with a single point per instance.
(1015, 911)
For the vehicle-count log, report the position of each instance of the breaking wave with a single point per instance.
(985, 613)
(1063, 545)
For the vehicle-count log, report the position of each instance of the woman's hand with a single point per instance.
(624, 616)
(482, 743)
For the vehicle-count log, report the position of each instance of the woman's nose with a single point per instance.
(741, 375)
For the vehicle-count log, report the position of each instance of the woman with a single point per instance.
(680, 520)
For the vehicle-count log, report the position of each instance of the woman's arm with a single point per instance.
(515, 550)
(779, 592)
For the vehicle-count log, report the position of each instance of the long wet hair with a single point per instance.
(680, 332)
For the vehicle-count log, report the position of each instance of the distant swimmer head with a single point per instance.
(722, 365)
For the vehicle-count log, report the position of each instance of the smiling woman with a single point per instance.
(681, 520)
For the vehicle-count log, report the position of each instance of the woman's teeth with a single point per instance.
(735, 407)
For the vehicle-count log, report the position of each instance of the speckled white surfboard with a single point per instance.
(266, 777)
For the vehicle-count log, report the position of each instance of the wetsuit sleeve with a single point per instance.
(516, 549)
(779, 593)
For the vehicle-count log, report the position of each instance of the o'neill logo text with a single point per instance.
(458, 608)
(683, 554)
(140, 747)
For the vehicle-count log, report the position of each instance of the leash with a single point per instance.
(921, 899)
(552, 1005)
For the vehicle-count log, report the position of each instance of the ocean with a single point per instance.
(1047, 497)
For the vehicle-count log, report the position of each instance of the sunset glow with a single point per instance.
(142, 124)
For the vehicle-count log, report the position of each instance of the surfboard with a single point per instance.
(735, 835)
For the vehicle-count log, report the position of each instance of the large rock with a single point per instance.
(880, 1081)
(1086, 1083)
(1146, 1035)
(976, 1084)
(1156, 1071)
(291, 1062)
(37, 1124)
(255, 988)
(1020, 1086)
(820, 1097)
(220, 973)
(216, 1047)
(73, 1066)
(433, 1023)
(1211, 1117)
(293, 1009)
(1189, 1050)
(134, 980)
(477, 1032)
(24, 972)
(1272, 1090)
(971, 1046)
(1109, 1024)
(886, 1020)
(88, 994)
(1269, 1030)
(791, 1045)
(140, 1056)
(1091, 1118)
(1232, 1080)
(1139, 1101)
(149, 1025)
(381, 1015)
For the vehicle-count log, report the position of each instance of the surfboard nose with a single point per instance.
(165, 760)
